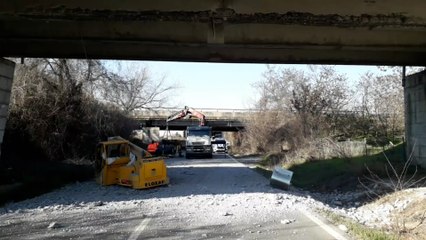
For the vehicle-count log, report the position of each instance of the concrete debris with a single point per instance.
(53, 225)
(287, 221)
(77, 206)
(343, 228)
(98, 204)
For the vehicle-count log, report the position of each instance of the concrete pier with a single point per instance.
(415, 117)
(7, 69)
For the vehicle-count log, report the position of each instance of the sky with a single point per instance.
(221, 85)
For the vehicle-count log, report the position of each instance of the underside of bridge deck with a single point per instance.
(223, 125)
(294, 31)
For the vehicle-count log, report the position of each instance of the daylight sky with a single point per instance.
(221, 85)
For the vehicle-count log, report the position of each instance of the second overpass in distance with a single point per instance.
(219, 119)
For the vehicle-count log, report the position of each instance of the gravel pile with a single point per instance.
(381, 213)
(85, 203)
(200, 194)
(193, 197)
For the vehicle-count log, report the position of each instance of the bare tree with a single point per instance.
(381, 104)
(26, 82)
(53, 107)
(309, 94)
(294, 107)
(135, 89)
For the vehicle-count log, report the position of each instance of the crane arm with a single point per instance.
(177, 115)
(198, 115)
(188, 112)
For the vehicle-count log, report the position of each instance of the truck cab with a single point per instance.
(198, 142)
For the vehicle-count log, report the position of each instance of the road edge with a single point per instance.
(326, 227)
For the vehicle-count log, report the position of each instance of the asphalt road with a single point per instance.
(215, 198)
(245, 211)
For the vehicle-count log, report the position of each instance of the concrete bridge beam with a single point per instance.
(270, 31)
(222, 125)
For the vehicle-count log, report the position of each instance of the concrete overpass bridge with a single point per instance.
(271, 31)
(391, 32)
(220, 119)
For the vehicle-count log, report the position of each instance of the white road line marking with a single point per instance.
(324, 226)
(236, 161)
(135, 234)
(206, 165)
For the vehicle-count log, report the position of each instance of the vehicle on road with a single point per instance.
(157, 144)
(198, 142)
(121, 162)
(219, 145)
(198, 138)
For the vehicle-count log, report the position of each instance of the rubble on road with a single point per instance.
(53, 225)
(343, 228)
(287, 221)
(190, 203)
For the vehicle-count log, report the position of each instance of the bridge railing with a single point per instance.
(210, 113)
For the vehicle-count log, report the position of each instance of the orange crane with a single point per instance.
(187, 112)
(198, 138)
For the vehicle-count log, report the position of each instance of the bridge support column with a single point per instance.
(415, 117)
(7, 69)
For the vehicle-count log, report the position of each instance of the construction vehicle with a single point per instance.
(198, 142)
(186, 113)
(123, 163)
(198, 138)
(150, 139)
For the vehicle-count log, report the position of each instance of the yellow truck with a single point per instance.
(123, 163)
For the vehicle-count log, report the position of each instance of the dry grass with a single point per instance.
(410, 222)
(359, 231)
(408, 218)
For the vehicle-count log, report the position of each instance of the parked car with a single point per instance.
(219, 145)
